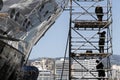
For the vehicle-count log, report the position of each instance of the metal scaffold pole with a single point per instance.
(90, 39)
(70, 40)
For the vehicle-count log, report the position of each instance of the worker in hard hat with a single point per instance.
(99, 12)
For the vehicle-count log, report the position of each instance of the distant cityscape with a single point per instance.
(52, 68)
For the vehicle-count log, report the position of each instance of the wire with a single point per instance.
(64, 57)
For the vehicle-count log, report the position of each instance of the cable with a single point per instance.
(64, 57)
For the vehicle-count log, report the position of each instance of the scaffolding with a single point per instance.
(84, 39)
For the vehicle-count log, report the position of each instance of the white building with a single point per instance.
(59, 68)
(116, 72)
(50, 70)
(45, 75)
(46, 68)
(37, 64)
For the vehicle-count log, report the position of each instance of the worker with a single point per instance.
(101, 41)
(99, 12)
(101, 72)
(1, 4)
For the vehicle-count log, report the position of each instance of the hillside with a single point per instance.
(115, 59)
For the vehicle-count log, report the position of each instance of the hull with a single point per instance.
(22, 24)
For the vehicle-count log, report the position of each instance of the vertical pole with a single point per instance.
(109, 36)
(107, 41)
(70, 25)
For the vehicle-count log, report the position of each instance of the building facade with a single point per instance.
(46, 68)
(116, 72)
(59, 68)
(53, 69)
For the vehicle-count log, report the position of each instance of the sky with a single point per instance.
(53, 43)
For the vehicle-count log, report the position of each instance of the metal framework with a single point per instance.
(84, 47)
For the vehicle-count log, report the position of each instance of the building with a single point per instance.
(116, 72)
(53, 69)
(59, 68)
(45, 75)
(46, 68)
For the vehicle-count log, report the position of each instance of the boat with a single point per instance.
(22, 24)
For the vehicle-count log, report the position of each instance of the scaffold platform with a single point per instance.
(94, 78)
(90, 55)
(90, 78)
(85, 70)
(90, 24)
